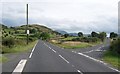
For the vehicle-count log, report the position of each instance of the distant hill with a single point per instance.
(34, 28)
(61, 32)
(38, 27)
(73, 34)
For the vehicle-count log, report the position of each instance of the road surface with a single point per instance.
(46, 57)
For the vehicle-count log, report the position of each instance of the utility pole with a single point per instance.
(27, 24)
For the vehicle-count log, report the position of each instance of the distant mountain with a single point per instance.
(61, 32)
(73, 34)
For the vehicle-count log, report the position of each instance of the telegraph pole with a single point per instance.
(27, 24)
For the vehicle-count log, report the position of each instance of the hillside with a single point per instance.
(18, 30)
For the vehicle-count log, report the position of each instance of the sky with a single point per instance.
(69, 15)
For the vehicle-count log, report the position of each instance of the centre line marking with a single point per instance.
(20, 66)
(49, 47)
(73, 66)
(64, 59)
(79, 71)
(53, 50)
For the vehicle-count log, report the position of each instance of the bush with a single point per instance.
(45, 36)
(8, 41)
(76, 39)
(20, 42)
(115, 46)
(32, 39)
(86, 39)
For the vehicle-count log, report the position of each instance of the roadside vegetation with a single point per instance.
(80, 41)
(3, 59)
(14, 39)
(112, 56)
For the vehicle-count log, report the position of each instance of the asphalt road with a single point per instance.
(46, 57)
(50, 58)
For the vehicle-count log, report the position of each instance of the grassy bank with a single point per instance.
(112, 58)
(3, 59)
(19, 48)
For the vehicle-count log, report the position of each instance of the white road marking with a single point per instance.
(45, 44)
(114, 69)
(89, 51)
(53, 50)
(92, 58)
(73, 66)
(98, 61)
(99, 49)
(74, 51)
(49, 47)
(64, 59)
(20, 66)
(79, 71)
(32, 51)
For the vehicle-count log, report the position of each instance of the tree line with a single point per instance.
(95, 35)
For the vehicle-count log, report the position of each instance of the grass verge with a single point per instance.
(19, 48)
(3, 59)
(112, 58)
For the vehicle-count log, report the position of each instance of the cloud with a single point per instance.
(71, 16)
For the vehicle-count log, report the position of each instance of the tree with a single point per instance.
(45, 35)
(80, 34)
(102, 36)
(66, 35)
(33, 30)
(94, 34)
(113, 35)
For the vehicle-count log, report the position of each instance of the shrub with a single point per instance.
(32, 39)
(76, 39)
(115, 46)
(45, 36)
(20, 42)
(86, 39)
(8, 41)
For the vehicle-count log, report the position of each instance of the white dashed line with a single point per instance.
(79, 71)
(74, 51)
(64, 59)
(20, 66)
(32, 51)
(73, 66)
(89, 51)
(53, 50)
(49, 47)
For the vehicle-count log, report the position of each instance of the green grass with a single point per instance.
(19, 48)
(112, 58)
(3, 59)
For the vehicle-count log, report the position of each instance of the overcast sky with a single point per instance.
(68, 15)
